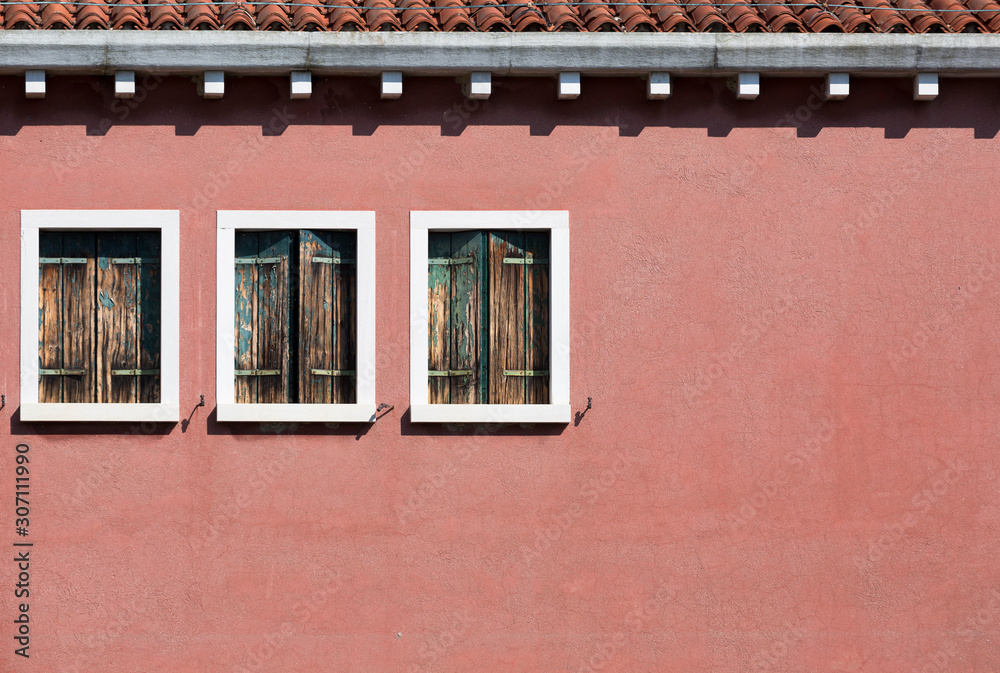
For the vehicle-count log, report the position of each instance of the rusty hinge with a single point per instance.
(450, 372)
(135, 372)
(62, 260)
(333, 260)
(62, 372)
(524, 260)
(258, 372)
(258, 260)
(526, 372)
(332, 372)
(449, 261)
(138, 261)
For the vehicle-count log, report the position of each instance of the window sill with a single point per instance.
(491, 413)
(295, 413)
(98, 413)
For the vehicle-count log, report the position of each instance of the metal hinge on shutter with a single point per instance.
(258, 260)
(448, 261)
(62, 372)
(524, 260)
(526, 372)
(332, 260)
(135, 372)
(258, 372)
(62, 260)
(332, 372)
(450, 372)
(137, 261)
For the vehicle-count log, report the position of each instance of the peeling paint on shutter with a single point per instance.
(327, 317)
(456, 280)
(263, 317)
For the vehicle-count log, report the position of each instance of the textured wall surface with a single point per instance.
(788, 332)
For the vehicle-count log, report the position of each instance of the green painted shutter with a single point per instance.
(327, 317)
(536, 315)
(456, 325)
(264, 372)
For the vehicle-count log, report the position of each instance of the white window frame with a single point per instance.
(554, 221)
(166, 222)
(361, 222)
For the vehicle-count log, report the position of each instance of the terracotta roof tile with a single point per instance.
(886, 16)
(454, 15)
(635, 16)
(988, 12)
(958, 17)
(57, 16)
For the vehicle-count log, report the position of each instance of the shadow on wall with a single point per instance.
(697, 103)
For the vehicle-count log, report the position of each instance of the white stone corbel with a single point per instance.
(658, 86)
(124, 84)
(838, 85)
(392, 84)
(301, 84)
(745, 85)
(34, 84)
(569, 85)
(215, 84)
(925, 86)
(479, 86)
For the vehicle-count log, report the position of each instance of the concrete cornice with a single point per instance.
(246, 52)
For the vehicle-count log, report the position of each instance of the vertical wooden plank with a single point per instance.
(536, 312)
(438, 318)
(247, 245)
(344, 294)
(50, 316)
(315, 318)
(465, 313)
(506, 318)
(117, 324)
(274, 317)
(148, 249)
(80, 317)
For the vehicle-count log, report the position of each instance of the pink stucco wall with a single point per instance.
(790, 338)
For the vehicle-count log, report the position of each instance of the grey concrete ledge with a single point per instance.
(243, 52)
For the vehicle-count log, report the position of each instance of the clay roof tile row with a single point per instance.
(741, 16)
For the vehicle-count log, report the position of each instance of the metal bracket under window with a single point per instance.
(62, 372)
(526, 372)
(450, 372)
(135, 372)
(258, 260)
(258, 372)
(524, 260)
(333, 260)
(332, 372)
(448, 261)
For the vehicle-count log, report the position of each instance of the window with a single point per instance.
(296, 319)
(489, 302)
(99, 316)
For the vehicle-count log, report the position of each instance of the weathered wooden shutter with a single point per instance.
(264, 369)
(456, 320)
(327, 317)
(99, 331)
(67, 328)
(519, 318)
(128, 316)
